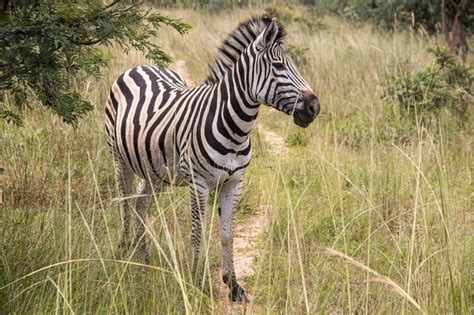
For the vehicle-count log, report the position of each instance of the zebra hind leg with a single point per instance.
(124, 176)
(199, 195)
(144, 189)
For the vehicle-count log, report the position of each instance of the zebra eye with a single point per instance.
(279, 66)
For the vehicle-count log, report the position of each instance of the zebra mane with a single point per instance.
(231, 48)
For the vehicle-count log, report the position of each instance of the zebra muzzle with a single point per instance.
(309, 110)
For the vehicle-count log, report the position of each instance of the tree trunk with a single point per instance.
(5, 4)
(454, 33)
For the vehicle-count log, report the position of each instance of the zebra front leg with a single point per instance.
(229, 196)
(199, 195)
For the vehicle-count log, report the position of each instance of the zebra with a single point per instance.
(169, 134)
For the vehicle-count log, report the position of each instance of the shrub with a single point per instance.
(288, 13)
(47, 45)
(446, 84)
(298, 54)
(297, 138)
(406, 13)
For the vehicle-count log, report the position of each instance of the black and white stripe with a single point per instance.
(164, 132)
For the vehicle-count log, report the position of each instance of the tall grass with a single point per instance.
(366, 214)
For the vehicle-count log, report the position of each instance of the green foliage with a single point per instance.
(10, 116)
(48, 45)
(297, 138)
(446, 84)
(298, 54)
(400, 13)
(287, 13)
(208, 5)
(348, 189)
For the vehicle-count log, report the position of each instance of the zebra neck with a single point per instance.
(238, 110)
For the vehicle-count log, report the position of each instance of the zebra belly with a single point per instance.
(150, 153)
(230, 168)
(161, 166)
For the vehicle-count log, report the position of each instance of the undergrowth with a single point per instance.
(368, 212)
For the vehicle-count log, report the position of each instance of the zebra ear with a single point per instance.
(268, 36)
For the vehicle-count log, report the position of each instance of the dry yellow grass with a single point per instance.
(399, 208)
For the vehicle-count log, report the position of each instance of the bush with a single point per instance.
(406, 13)
(47, 45)
(297, 138)
(446, 84)
(288, 13)
(298, 54)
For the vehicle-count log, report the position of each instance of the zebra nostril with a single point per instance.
(311, 104)
(315, 107)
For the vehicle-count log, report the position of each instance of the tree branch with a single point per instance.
(118, 11)
(112, 4)
(112, 13)
(463, 6)
(86, 42)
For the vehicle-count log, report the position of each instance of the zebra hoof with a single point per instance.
(237, 294)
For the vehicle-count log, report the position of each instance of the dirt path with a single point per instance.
(276, 143)
(247, 233)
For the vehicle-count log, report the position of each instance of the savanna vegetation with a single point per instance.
(368, 210)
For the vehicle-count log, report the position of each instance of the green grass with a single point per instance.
(393, 197)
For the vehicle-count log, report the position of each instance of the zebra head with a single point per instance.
(279, 83)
